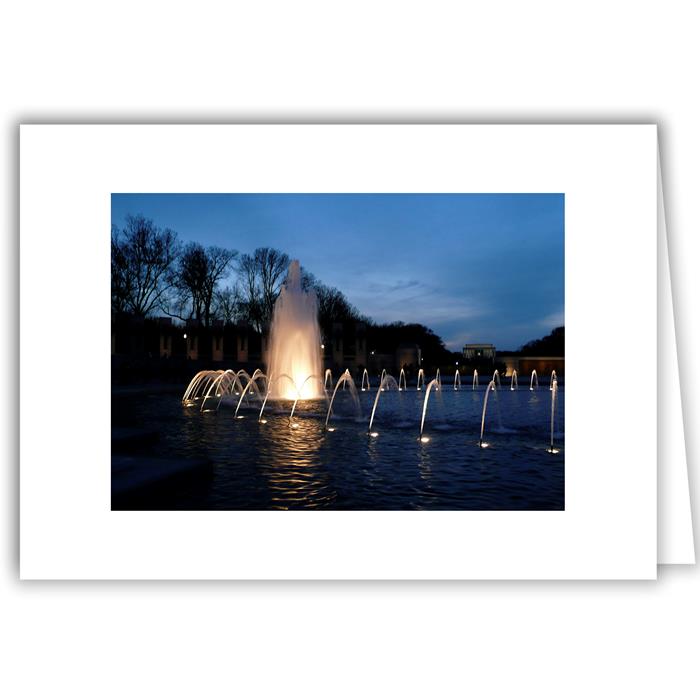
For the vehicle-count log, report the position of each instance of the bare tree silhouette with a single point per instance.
(196, 279)
(143, 257)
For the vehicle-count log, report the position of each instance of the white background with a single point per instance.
(608, 529)
(456, 61)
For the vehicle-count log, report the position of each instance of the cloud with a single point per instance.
(553, 320)
(398, 286)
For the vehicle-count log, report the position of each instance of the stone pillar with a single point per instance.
(192, 346)
(217, 346)
(241, 344)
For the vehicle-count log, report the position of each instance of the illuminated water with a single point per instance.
(295, 341)
(274, 465)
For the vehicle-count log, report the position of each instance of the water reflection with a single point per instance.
(273, 465)
(288, 460)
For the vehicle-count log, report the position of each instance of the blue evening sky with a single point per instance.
(473, 267)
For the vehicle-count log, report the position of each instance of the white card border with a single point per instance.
(608, 174)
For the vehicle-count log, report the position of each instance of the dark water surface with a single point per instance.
(274, 465)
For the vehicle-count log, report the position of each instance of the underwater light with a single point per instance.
(425, 439)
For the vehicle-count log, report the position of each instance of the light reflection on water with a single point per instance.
(275, 466)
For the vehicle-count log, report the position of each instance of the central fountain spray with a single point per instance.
(295, 341)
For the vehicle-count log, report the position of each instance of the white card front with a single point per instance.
(391, 512)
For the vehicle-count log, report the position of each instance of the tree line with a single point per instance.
(551, 345)
(153, 273)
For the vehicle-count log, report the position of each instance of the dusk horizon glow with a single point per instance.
(475, 268)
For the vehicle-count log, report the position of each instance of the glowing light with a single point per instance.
(553, 450)
(483, 444)
(323, 347)
(295, 342)
(425, 439)
(330, 430)
(374, 434)
(240, 417)
(295, 425)
(184, 335)
(262, 420)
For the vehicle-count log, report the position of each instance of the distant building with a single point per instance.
(524, 364)
(479, 351)
(408, 356)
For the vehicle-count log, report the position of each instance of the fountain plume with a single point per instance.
(489, 388)
(275, 380)
(301, 389)
(551, 419)
(295, 339)
(345, 378)
(533, 378)
(250, 386)
(432, 385)
(389, 382)
(402, 378)
(365, 377)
